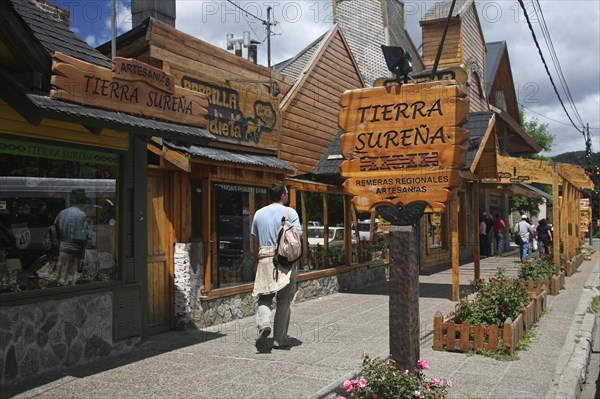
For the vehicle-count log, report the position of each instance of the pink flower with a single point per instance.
(340, 397)
(435, 381)
(422, 364)
(362, 383)
(417, 394)
(348, 385)
(449, 383)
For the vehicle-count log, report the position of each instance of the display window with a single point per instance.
(58, 216)
(235, 207)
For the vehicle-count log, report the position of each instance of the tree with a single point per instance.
(540, 134)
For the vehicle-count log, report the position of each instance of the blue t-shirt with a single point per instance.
(267, 222)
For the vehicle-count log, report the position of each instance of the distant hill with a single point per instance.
(577, 158)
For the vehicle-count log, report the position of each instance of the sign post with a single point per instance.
(403, 155)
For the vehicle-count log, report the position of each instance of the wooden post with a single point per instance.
(404, 297)
(304, 224)
(556, 222)
(325, 224)
(438, 325)
(347, 230)
(455, 250)
(476, 260)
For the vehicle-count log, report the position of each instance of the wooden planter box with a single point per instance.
(448, 335)
(552, 285)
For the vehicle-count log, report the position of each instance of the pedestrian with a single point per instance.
(499, 228)
(483, 239)
(73, 234)
(268, 284)
(525, 230)
(489, 224)
(544, 237)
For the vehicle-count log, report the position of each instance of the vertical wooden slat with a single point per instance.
(464, 337)
(508, 337)
(450, 335)
(304, 223)
(492, 337)
(207, 218)
(438, 325)
(479, 333)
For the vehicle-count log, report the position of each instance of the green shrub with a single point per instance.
(494, 301)
(380, 378)
(537, 269)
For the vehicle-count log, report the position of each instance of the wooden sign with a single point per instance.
(246, 117)
(585, 215)
(128, 91)
(521, 170)
(403, 144)
(130, 69)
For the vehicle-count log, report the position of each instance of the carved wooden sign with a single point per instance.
(131, 87)
(403, 143)
(585, 214)
(521, 170)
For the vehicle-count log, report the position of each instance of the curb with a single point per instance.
(572, 367)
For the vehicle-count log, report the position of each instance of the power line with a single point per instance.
(546, 66)
(246, 12)
(555, 61)
(550, 119)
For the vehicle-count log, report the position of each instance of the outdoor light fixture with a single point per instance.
(398, 61)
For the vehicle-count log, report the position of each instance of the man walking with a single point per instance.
(269, 283)
(525, 230)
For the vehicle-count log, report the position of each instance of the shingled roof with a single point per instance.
(294, 66)
(493, 55)
(53, 35)
(477, 126)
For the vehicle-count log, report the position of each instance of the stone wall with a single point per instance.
(50, 335)
(193, 313)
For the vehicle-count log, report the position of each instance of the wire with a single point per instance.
(550, 119)
(252, 15)
(546, 66)
(557, 66)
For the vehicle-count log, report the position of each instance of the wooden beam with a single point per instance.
(455, 249)
(476, 259)
(556, 221)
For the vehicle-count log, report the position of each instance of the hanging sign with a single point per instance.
(132, 87)
(585, 215)
(403, 144)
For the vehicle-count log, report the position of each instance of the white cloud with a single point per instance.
(91, 40)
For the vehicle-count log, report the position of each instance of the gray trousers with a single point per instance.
(282, 314)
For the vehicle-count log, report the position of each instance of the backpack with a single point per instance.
(517, 237)
(289, 245)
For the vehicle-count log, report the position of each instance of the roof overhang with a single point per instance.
(261, 161)
(518, 141)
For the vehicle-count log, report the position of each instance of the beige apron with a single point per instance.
(264, 282)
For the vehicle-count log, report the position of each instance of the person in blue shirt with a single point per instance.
(72, 234)
(268, 284)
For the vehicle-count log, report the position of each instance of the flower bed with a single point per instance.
(541, 272)
(494, 321)
(380, 378)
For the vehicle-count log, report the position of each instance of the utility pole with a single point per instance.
(588, 155)
(268, 24)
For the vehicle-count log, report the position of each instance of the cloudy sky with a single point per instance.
(573, 27)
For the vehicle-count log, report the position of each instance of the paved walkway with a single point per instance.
(334, 332)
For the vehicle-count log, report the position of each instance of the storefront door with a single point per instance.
(160, 257)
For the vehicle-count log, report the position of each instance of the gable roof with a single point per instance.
(331, 159)
(53, 35)
(493, 56)
(294, 66)
(317, 53)
(478, 125)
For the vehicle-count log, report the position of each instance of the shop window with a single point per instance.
(73, 190)
(235, 207)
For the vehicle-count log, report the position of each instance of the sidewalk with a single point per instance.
(335, 331)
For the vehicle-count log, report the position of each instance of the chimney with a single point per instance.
(162, 10)
(253, 51)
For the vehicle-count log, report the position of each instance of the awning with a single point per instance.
(241, 158)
